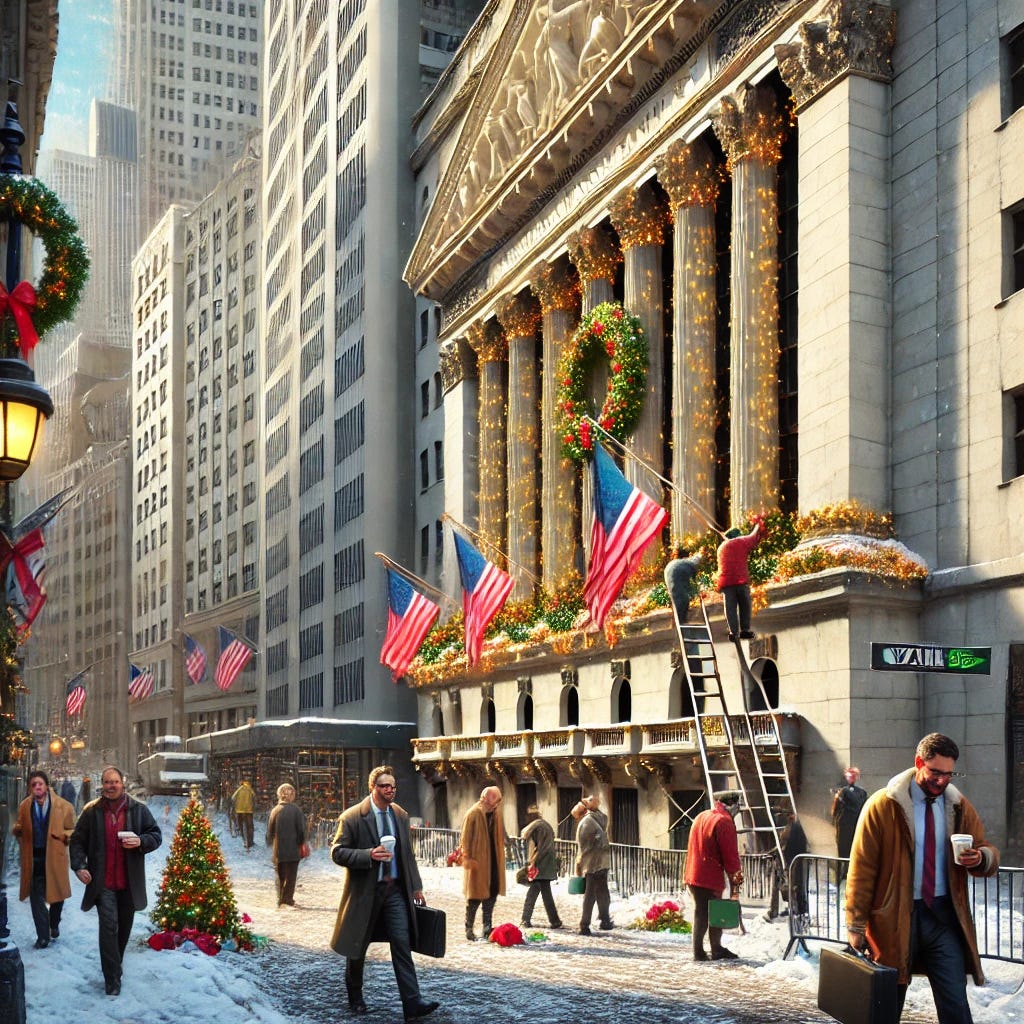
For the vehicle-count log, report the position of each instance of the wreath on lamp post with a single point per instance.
(607, 332)
(27, 312)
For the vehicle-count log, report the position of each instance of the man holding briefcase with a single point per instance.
(906, 892)
(382, 884)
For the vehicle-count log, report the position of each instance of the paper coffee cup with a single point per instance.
(388, 842)
(961, 841)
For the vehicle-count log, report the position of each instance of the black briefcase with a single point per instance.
(855, 990)
(431, 931)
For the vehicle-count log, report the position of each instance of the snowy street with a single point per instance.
(600, 979)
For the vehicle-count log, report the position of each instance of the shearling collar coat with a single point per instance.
(58, 863)
(880, 885)
(357, 834)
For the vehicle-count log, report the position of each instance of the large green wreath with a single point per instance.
(607, 332)
(66, 265)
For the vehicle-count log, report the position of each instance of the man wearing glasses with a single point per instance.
(382, 882)
(906, 893)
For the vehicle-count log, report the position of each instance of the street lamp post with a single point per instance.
(24, 405)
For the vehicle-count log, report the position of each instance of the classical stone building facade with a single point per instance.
(815, 210)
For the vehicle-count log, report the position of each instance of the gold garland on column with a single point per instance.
(594, 254)
(640, 217)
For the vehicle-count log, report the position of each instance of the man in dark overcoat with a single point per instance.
(382, 883)
(108, 848)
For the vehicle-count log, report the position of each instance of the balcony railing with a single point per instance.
(622, 740)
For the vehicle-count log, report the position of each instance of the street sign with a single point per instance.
(975, 661)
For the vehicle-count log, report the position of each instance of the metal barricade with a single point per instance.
(817, 912)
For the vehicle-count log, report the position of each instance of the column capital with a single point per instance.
(856, 39)
(557, 287)
(595, 254)
(640, 217)
(519, 315)
(688, 174)
(750, 126)
(457, 364)
(488, 341)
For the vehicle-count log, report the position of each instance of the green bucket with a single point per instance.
(577, 885)
(724, 913)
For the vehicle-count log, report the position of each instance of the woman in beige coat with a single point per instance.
(43, 828)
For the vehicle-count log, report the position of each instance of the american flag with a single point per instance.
(625, 522)
(234, 656)
(485, 588)
(140, 682)
(76, 694)
(410, 616)
(24, 565)
(195, 660)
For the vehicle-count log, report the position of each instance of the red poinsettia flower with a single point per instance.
(597, 327)
(617, 313)
(616, 368)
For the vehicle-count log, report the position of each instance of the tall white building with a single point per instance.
(191, 73)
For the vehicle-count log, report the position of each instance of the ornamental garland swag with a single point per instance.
(607, 332)
(27, 313)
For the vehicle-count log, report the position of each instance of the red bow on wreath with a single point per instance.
(19, 304)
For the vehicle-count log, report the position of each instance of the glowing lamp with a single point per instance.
(24, 406)
(56, 746)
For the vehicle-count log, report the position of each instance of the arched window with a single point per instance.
(524, 713)
(488, 718)
(438, 720)
(622, 700)
(765, 696)
(680, 701)
(569, 707)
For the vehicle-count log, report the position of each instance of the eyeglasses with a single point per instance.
(937, 775)
(385, 785)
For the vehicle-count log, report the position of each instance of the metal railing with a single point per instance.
(817, 912)
(634, 869)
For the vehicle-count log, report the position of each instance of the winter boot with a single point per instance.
(471, 907)
(354, 985)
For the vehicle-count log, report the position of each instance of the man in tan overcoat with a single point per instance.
(483, 859)
(43, 828)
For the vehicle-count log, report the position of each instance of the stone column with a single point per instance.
(839, 74)
(557, 288)
(519, 316)
(596, 256)
(640, 217)
(752, 130)
(488, 342)
(691, 179)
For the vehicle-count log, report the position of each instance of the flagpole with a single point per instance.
(698, 508)
(413, 578)
(494, 547)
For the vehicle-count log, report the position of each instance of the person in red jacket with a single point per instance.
(711, 854)
(734, 577)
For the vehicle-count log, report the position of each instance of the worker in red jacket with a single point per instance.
(712, 853)
(734, 577)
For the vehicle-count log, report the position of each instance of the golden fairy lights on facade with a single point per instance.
(692, 180)
(520, 317)
(488, 341)
(753, 131)
(594, 254)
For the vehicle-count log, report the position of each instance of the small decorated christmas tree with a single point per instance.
(195, 894)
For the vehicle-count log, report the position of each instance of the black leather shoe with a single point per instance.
(607, 926)
(723, 954)
(356, 1004)
(417, 1008)
(40, 943)
(54, 933)
(585, 929)
(747, 634)
(113, 988)
(700, 955)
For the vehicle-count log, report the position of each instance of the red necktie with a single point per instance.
(928, 868)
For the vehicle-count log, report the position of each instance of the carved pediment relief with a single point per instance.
(558, 76)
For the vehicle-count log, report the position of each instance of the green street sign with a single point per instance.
(975, 661)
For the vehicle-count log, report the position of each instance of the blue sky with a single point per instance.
(80, 72)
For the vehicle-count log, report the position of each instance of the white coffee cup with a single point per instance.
(961, 841)
(388, 842)
(126, 835)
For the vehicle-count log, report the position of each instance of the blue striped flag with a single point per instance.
(485, 589)
(625, 522)
(410, 616)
